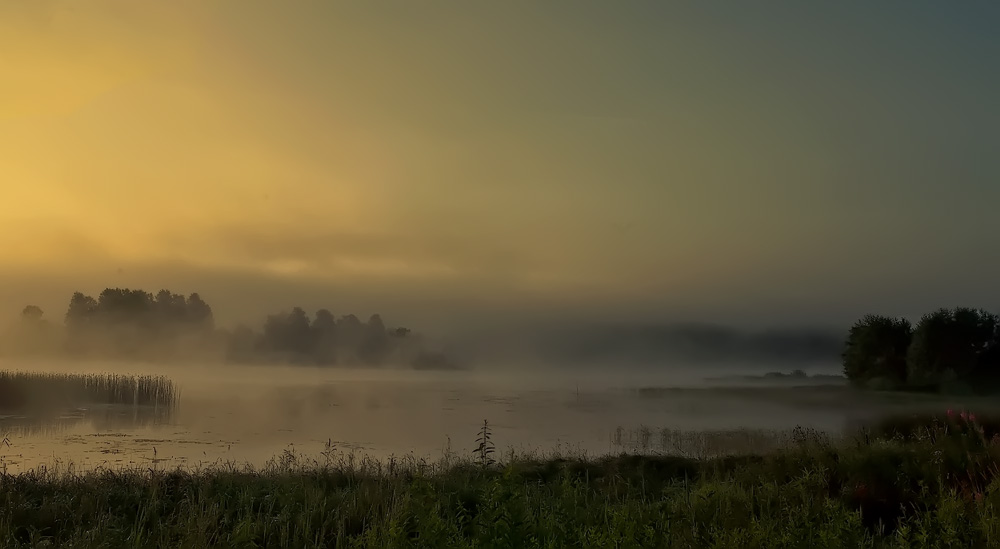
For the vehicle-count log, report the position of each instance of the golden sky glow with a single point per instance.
(572, 151)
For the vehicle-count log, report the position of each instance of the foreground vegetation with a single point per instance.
(21, 391)
(913, 483)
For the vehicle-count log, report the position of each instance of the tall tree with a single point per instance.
(876, 348)
(950, 344)
(32, 313)
(375, 343)
(81, 312)
(199, 314)
(350, 335)
(299, 333)
(324, 337)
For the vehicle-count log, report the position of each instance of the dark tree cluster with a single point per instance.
(124, 323)
(322, 340)
(949, 349)
(137, 325)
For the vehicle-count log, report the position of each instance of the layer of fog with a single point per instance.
(251, 413)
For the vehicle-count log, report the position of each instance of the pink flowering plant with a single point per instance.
(964, 425)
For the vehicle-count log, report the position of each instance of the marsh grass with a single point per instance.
(940, 490)
(33, 391)
(917, 426)
(710, 444)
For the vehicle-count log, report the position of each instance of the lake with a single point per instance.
(250, 414)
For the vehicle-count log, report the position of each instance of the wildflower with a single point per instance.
(964, 416)
(951, 413)
(972, 418)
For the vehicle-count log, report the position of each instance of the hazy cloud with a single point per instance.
(641, 159)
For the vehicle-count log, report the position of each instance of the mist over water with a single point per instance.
(249, 414)
(311, 382)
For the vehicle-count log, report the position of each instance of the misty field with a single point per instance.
(937, 485)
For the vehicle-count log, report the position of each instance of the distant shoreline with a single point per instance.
(797, 376)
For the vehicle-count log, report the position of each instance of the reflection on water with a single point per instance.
(253, 415)
(98, 418)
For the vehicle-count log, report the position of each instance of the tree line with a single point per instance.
(138, 325)
(951, 350)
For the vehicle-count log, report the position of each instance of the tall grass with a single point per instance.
(711, 443)
(31, 390)
(941, 490)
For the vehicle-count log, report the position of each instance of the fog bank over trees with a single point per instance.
(127, 324)
(130, 324)
(653, 344)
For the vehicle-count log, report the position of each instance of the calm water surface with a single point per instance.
(252, 414)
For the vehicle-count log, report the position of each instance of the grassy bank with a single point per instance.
(933, 486)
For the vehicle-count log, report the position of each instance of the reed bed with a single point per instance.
(33, 390)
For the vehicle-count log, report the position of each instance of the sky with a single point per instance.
(447, 163)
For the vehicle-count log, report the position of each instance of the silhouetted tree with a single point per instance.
(876, 348)
(32, 313)
(950, 344)
(292, 337)
(299, 332)
(375, 344)
(81, 312)
(118, 305)
(324, 338)
(289, 335)
(987, 373)
(126, 320)
(199, 314)
(275, 333)
(350, 335)
(81, 323)
(170, 308)
(134, 324)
